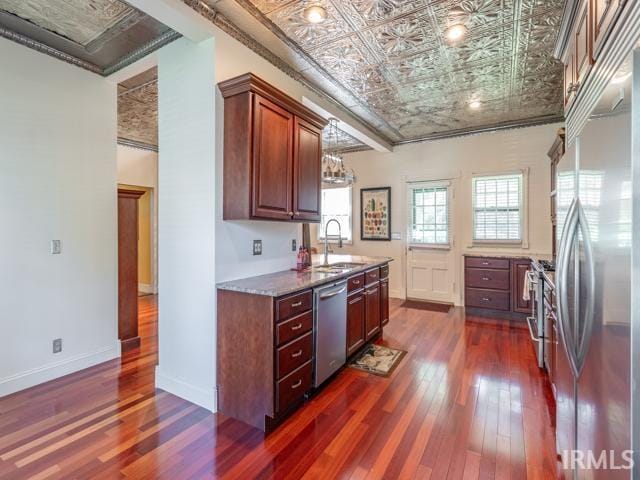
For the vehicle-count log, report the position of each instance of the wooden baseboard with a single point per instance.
(129, 344)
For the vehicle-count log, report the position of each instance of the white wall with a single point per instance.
(234, 239)
(140, 168)
(457, 159)
(186, 223)
(57, 181)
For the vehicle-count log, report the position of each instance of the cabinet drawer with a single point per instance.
(294, 354)
(487, 262)
(486, 278)
(493, 299)
(291, 389)
(356, 282)
(372, 276)
(294, 327)
(294, 304)
(384, 271)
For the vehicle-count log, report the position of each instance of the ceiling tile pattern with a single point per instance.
(392, 55)
(78, 20)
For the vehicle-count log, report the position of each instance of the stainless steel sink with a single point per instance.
(340, 267)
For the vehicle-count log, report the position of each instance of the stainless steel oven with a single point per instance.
(535, 321)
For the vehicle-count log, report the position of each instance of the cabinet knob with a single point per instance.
(485, 299)
(297, 213)
(290, 214)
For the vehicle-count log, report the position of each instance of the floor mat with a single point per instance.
(378, 360)
(434, 307)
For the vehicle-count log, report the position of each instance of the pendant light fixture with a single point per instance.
(333, 170)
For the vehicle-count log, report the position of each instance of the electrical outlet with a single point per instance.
(57, 345)
(257, 247)
(56, 247)
(293, 245)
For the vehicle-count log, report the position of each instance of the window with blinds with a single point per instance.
(428, 214)
(336, 203)
(497, 208)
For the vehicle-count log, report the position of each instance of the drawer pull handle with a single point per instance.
(485, 263)
(297, 304)
(296, 385)
(485, 299)
(297, 327)
(486, 278)
(296, 354)
(356, 282)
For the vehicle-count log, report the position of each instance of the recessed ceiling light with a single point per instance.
(475, 104)
(456, 32)
(315, 14)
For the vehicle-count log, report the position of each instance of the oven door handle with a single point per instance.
(534, 335)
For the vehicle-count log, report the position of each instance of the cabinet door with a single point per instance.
(372, 311)
(569, 76)
(272, 174)
(604, 12)
(584, 59)
(384, 302)
(518, 272)
(355, 322)
(307, 158)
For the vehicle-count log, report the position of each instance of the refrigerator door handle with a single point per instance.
(590, 290)
(567, 333)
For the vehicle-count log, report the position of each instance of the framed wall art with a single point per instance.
(375, 213)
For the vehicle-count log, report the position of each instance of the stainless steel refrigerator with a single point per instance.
(594, 287)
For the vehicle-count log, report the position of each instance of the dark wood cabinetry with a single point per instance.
(272, 154)
(589, 30)
(519, 268)
(265, 353)
(384, 301)
(555, 155)
(372, 310)
(495, 285)
(356, 333)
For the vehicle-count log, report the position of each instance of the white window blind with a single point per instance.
(497, 208)
(336, 203)
(429, 220)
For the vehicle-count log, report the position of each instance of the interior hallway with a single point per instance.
(466, 402)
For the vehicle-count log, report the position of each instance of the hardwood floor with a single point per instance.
(467, 401)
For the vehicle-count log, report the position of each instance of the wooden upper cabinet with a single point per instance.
(603, 14)
(569, 76)
(272, 161)
(307, 165)
(584, 57)
(272, 153)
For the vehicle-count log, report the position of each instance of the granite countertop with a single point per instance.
(289, 281)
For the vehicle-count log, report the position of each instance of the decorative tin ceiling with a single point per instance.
(99, 35)
(138, 115)
(412, 84)
(138, 110)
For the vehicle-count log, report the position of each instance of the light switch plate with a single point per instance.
(57, 345)
(396, 236)
(56, 247)
(257, 247)
(293, 245)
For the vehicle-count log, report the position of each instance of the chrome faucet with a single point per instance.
(326, 240)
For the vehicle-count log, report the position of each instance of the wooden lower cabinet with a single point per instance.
(384, 301)
(265, 349)
(372, 310)
(356, 333)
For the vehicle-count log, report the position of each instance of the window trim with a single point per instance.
(345, 241)
(523, 242)
(413, 185)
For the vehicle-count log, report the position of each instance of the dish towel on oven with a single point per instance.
(526, 289)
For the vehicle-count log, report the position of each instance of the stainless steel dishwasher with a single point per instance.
(330, 322)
